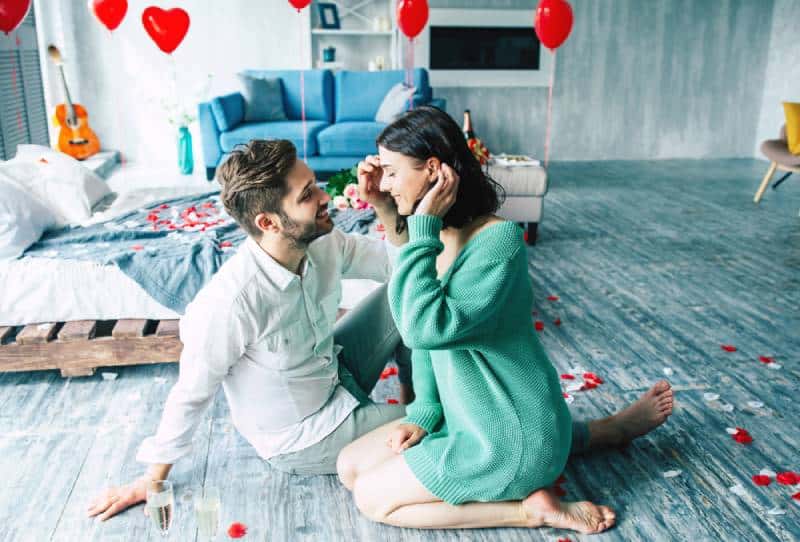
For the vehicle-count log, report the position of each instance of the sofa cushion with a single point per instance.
(349, 139)
(263, 99)
(318, 86)
(359, 94)
(228, 110)
(394, 103)
(289, 129)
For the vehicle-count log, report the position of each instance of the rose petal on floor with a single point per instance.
(788, 478)
(237, 530)
(552, 298)
(766, 359)
(738, 489)
(539, 325)
(728, 347)
(761, 480)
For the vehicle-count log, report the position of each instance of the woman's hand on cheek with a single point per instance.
(442, 195)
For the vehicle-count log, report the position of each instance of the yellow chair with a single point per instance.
(777, 150)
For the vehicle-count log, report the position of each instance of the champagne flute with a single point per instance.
(206, 508)
(160, 504)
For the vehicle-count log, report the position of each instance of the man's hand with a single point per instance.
(369, 183)
(405, 436)
(442, 195)
(116, 499)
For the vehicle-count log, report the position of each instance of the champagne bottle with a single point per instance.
(468, 133)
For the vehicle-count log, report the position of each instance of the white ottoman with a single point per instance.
(525, 188)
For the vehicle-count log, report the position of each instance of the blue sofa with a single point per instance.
(340, 116)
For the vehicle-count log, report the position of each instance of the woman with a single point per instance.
(489, 431)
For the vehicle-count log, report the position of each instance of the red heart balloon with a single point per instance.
(299, 4)
(166, 28)
(12, 13)
(109, 12)
(553, 22)
(412, 16)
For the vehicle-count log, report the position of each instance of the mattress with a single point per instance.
(36, 290)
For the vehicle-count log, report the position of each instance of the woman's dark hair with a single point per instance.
(427, 132)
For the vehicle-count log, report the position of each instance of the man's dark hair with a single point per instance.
(253, 180)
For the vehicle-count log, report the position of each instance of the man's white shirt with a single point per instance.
(266, 335)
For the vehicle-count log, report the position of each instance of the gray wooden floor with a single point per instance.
(656, 265)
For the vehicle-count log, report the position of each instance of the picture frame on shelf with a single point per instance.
(328, 15)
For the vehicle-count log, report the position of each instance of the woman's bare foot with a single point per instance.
(648, 412)
(543, 509)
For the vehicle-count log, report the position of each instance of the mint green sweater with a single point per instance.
(489, 398)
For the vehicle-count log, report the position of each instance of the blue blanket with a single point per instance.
(171, 248)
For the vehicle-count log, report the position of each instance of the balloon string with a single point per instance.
(303, 97)
(411, 71)
(549, 110)
(14, 83)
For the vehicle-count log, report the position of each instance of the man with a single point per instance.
(263, 328)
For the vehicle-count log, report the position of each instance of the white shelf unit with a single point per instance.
(357, 42)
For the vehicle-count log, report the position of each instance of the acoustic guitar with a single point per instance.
(75, 138)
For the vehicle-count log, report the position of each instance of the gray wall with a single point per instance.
(782, 80)
(636, 79)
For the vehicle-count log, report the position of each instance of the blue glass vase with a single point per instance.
(185, 158)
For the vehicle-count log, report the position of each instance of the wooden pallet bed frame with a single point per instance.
(78, 348)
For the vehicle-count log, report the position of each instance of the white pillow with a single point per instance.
(62, 183)
(23, 219)
(394, 103)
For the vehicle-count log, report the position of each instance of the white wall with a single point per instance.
(121, 77)
(782, 80)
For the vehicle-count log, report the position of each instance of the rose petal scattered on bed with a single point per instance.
(387, 372)
(709, 397)
(137, 247)
(568, 398)
(392, 401)
(672, 473)
(728, 347)
(380, 227)
(226, 244)
(761, 480)
(738, 489)
(557, 322)
(564, 540)
(237, 530)
(552, 298)
(766, 359)
(788, 478)
(796, 497)
(539, 325)
(567, 376)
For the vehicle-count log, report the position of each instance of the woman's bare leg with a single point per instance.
(364, 454)
(390, 493)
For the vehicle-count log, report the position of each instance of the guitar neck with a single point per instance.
(70, 109)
